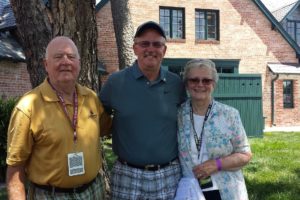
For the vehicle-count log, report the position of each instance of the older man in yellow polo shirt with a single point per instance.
(53, 136)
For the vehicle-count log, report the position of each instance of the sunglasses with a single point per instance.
(204, 81)
(146, 44)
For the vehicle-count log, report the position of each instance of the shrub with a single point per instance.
(6, 107)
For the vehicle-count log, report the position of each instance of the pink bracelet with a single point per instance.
(219, 164)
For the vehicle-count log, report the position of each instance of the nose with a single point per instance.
(65, 59)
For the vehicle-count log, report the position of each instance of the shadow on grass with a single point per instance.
(273, 191)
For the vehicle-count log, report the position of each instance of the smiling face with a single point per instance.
(62, 61)
(150, 49)
(200, 84)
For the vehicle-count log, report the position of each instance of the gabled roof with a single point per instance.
(283, 12)
(7, 18)
(10, 49)
(274, 5)
(278, 26)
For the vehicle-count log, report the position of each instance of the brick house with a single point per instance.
(287, 13)
(14, 78)
(242, 36)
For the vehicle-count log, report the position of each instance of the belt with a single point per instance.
(53, 189)
(150, 167)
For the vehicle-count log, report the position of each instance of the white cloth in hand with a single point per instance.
(189, 189)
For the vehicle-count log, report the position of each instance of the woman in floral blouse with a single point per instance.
(213, 145)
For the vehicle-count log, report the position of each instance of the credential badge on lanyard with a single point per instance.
(76, 164)
(75, 160)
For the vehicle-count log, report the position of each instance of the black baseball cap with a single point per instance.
(149, 25)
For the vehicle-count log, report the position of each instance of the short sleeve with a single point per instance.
(19, 138)
(239, 140)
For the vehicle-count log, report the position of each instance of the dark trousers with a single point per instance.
(212, 195)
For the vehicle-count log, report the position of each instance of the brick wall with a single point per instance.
(286, 116)
(245, 34)
(14, 79)
(106, 42)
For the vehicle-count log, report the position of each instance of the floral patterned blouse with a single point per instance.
(224, 135)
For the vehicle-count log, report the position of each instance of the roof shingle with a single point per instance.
(282, 12)
(7, 18)
(10, 49)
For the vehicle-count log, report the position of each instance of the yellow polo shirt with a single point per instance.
(41, 136)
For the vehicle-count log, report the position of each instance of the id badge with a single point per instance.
(205, 183)
(76, 164)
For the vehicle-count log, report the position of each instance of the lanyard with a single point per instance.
(198, 140)
(64, 107)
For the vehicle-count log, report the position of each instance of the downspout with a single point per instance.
(272, 100)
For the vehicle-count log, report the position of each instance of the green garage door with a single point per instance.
(244, 92)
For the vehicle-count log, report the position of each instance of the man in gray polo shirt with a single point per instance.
(143, 99)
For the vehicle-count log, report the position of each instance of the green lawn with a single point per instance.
(274, 171)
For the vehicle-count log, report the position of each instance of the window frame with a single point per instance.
(293, 32)
(171, 33)
(289, 92)
(177, 65)
(217, 24)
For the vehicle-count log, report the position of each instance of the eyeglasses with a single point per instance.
(146, 44)
(204, 81)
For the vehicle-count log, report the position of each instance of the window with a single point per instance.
(172, 21)
(176, 65)
(293, 28)
(288, 94)
(207, 24)
(225, 70)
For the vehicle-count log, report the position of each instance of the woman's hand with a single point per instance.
(205, 169)
(232, 162)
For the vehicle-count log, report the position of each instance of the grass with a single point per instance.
(274, 171)
(272, 174)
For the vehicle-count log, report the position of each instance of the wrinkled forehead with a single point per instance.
(64, 49)
(200, 70)
(61, 46)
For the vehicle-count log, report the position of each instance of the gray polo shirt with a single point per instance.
(145, 115)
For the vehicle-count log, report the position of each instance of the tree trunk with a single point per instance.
(38, 23)
(124, 32)
(34, 31)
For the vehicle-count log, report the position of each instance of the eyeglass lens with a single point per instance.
(204, 81)
(146, 44)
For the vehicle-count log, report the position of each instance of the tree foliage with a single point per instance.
(6, 107)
